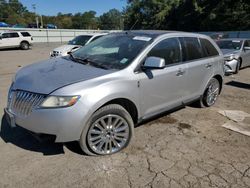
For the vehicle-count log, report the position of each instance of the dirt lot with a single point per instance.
(185, 148)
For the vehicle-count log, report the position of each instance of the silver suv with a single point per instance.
(97, 94)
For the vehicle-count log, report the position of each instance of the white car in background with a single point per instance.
(14, 39)
(75, 44)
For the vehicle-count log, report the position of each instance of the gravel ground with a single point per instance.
(185, 148)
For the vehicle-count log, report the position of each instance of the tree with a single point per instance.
(113, 19)
(188, 15)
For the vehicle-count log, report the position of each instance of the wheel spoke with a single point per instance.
(117, 130)
(99, 126)
(94, 131)
(106, 146)
(95, 138)
(109, 120)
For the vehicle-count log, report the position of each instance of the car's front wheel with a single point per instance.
(24, 45)
(109, 130)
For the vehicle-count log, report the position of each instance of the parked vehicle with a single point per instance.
(12, 39)
(75, 44)
(51, 26)
(236, 54)
(3, 24)
(19, 26)
(98, 93)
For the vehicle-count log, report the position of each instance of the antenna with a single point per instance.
(133, 25)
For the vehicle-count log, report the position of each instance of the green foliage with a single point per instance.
(188, 15)
(111, 19)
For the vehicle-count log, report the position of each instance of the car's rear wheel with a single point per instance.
(24, 45)
(109, 131)
(211, 93)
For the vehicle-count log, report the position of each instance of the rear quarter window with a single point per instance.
(25, 34)
(191, 48)
(208, 48)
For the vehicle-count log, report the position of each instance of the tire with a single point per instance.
(210, 94)
(108, 131)
(24, 45)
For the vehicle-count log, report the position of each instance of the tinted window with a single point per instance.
(208, 48)
(191, 48)
(5, 35)
(13, 35)
(230, 44)
(80, 40)
(168, 49)
(247, 43)
(25, 34)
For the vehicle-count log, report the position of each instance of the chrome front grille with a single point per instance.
(21, 103)
(55, 54)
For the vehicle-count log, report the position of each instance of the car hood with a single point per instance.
(66, 48)
(227, 52)
(47, 76)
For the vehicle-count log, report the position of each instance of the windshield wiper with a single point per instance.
(78, 60)
(93, 63)
(87, 61)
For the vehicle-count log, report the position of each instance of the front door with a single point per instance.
(162, 89)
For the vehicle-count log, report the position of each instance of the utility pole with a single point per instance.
(37, 20)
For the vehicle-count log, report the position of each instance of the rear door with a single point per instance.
(14, 39)
(246, 54)
(200, 61)
(162, 89)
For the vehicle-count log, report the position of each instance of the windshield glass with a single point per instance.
(114, 51)
(80, 40)
(230, 44)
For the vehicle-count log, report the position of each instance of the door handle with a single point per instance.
(180, 72)
(208, 65)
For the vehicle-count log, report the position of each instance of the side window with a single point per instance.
(169, 49)
(247, 43)
(191, 48)
(5, 35)
(208, 48)
(13, 35)
(25, 34)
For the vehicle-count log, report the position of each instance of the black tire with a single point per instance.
(204, 100)
(24, 45)
(112, 109)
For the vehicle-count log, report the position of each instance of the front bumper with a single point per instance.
(65, 123)
(231, 66)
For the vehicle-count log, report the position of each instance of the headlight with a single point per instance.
(59, 101)
(229, 58)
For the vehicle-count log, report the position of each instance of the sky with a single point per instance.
(52, 7)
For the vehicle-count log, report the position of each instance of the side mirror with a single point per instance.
(154, 63)
(246, 48)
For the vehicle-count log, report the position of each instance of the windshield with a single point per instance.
(80, 40)
(230, 44)
(114, 51)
